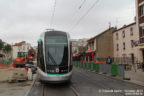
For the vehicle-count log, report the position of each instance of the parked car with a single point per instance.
(33, 67)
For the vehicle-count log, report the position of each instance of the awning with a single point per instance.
(2, 55)
(76, 55)
(90, 51)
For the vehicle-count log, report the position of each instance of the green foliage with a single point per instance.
(7, 48)
(1, 44)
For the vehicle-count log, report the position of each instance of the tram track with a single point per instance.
(82, 84)
(45, 93)
(45, 87)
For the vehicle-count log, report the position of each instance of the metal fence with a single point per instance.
(125, 60)
(121, 60)
(6, 61)
(112, 69)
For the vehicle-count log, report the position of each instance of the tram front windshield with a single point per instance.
(56, 50)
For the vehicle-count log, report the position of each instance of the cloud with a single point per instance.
(26, 19)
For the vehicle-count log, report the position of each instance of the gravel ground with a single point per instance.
(14, 89)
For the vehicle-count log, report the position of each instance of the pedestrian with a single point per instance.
(109, 60)
(143, 66)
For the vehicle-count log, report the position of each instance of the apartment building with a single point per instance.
(140, 27)
(124, 40)
(100, 46)
(91, 50)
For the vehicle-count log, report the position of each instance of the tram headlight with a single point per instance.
(52, 71)
(62, 70)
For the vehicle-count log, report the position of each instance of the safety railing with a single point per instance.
(112, 69)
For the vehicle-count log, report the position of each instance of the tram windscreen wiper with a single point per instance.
(52, 59)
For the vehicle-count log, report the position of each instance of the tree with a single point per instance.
(7, 48)
(1, 44)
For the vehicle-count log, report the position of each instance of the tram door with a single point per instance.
(40, 57)
(143, 54)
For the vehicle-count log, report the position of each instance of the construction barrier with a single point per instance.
(96, 67)
(112, 69)
(105, 68)
(121, 72)
(5, 61)
(12, 74)
(17, 74)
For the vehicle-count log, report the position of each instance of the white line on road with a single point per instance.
(31, 85)
(74, 90)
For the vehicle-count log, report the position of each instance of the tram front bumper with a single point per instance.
(54, 77)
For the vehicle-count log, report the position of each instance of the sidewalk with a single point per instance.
(135, 77)
(15, 89)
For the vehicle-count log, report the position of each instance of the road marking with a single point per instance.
(31, 87)
(74, 90)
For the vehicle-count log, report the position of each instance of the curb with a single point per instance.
(123, 79)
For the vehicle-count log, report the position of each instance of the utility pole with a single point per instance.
(109, 24)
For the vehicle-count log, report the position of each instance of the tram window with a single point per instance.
(58, 53)
(56, 40)
(56, 49)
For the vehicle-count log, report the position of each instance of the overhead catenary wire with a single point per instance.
(82, 4)
(76, 13)
(83, 16)
(53, 13)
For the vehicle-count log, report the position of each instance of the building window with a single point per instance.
(23, 47)
(132, 58)
(92, 45)
(116, 36)
(131, 31)
(132, 43)
(142, 10)
(117, 46)
(124, 59)
(123, 34)
(124, 46)
(142, 31)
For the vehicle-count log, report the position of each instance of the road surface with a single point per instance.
(85, 83)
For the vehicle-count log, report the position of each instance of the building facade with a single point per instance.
(125, 39)
(92, 44)
(79, 45)
(20, 47)
(91, 50)
(140, 27)
(100, 46)
(104, 44)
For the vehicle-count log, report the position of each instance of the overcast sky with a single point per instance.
(26, 19)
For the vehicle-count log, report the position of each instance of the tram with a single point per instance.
(54, 57)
